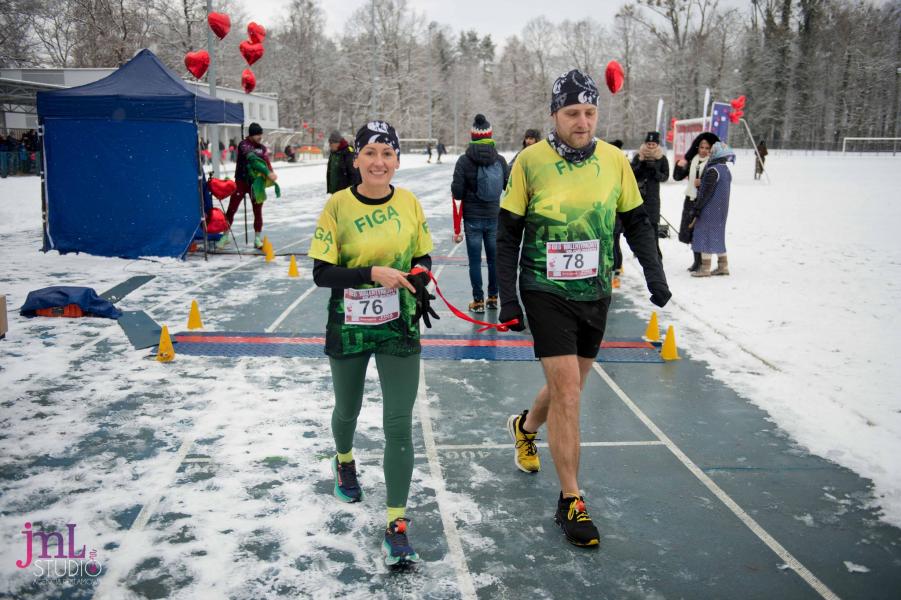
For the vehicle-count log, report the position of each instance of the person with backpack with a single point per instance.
(480, 177)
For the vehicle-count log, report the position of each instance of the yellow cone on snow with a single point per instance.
(669, 352)
(194, 321)
(268, 250)
(292, 268)
(165, 352)
(652, 333)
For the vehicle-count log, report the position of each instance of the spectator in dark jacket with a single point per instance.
(531, 136)
(252, 144)
(441, 151)
(480, 176)
(651, 169)
(760, 159)
(341, 172)
(617, 236)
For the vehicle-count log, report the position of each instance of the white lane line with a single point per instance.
(509, 445)
(290, 308)
(110, 579)
(717, 491)
(454, 545)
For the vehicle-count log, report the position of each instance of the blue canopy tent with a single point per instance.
(122, 171)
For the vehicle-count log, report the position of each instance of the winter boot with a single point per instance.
(257, 241)
(477, 306)
(722, 266)
(491, 303)
(703, 270)
(696, 264)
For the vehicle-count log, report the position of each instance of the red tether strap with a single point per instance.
(462, 315)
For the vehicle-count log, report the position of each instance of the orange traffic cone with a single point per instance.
(292, 268)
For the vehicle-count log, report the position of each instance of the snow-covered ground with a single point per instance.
(805, 327)
(807, 324)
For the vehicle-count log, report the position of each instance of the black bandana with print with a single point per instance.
(377, 132)
(573, 155)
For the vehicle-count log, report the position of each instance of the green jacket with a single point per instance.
(258, 172)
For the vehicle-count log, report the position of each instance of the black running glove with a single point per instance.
(660, 294)
(419, 278)
(510, 311)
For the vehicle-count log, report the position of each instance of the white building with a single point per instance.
(18, 89)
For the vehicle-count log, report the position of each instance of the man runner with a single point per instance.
(561, 205)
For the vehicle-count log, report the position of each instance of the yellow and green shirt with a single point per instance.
(569, 202)
(352, 234)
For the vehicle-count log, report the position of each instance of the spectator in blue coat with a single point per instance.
(710, 211)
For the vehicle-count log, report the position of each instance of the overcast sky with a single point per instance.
(500, 19)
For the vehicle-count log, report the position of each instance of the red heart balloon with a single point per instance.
(248, 81)
(251, 51)
(197, 62)
(256, 32)
(738, 103)
(219, 23)
(614, 76)
(222, 188)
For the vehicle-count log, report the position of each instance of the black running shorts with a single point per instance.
(561, 327)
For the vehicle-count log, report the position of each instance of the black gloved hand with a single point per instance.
(660, 294)
(510, 311)
(420, 280)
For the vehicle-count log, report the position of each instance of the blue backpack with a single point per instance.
(490, 182)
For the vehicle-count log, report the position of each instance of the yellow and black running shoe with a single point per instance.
(573, 518)
(525, 452)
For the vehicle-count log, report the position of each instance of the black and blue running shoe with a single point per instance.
(347, 488)
(398, 551)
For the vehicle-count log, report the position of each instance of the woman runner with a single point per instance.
(371, 247)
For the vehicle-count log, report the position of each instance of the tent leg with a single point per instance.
(206, 241)
(45, 225)
(230, 232)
